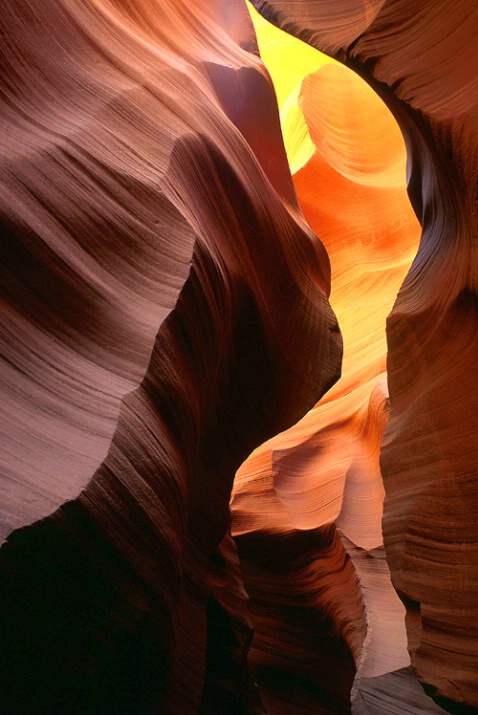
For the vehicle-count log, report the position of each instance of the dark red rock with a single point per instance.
(168, 302)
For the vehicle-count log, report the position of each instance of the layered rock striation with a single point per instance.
(345, 149)
(423, 63)
(164, 311)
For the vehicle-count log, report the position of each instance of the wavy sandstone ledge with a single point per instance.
(164, 312)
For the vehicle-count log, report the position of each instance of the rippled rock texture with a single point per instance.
(423, 62)
(165, 311)
(323, 473)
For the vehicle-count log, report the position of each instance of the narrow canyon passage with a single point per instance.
(348, 160)
(168, 349)
(428, 461)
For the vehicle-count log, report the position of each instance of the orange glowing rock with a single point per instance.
(423, 62)
(348, 160)
(165, 310)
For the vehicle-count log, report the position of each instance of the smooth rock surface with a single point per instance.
(423, 61)
(165, 311)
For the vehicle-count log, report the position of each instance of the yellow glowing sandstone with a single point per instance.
(348, 161)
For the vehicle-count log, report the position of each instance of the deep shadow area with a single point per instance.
(79, 628)
(299, 660)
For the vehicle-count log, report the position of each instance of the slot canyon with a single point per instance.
(238, 374)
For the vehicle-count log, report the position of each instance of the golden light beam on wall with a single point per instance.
(348, 161)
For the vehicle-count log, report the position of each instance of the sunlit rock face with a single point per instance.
(164, 311)
(423, 62)
(344, 148)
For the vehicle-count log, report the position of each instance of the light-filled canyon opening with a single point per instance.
(348, 160)
(238, 385)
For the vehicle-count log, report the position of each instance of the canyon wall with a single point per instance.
(423, 62)
(165, 312)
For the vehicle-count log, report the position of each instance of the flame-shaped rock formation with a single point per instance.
(326, 468)
(423, 61)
